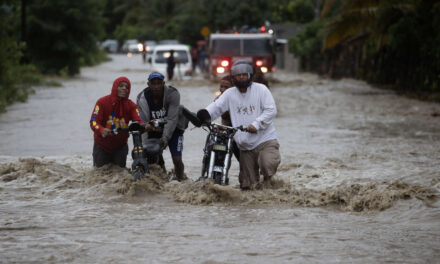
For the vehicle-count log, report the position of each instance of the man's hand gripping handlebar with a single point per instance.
(153, 125)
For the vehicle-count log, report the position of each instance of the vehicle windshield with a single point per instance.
(226, 47)
(257, 47)
(251, 47)
(179, 56)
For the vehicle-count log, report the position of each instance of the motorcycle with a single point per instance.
(217, 151)
(144, 153)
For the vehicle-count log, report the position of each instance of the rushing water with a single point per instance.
(358, 183)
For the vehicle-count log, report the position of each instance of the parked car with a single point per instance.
(169, 42)
(132, 45)
(149, 45)
(183, 68)
(110, 45)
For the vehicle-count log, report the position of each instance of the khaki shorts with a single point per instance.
(264, 159)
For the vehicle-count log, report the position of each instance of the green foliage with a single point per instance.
(124, 32)
(227, 14)
(189, 27)
(62, 33)
(113, 15)
(15, 78)
(182, 20)
(94, 58)
(297, 11)
(391, 43)
(307, 44)
(308, 41)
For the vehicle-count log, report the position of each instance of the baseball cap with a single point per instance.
(156, 75)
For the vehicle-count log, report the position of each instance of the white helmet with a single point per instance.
(241, 67)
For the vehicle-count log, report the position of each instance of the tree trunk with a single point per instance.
(23, 20)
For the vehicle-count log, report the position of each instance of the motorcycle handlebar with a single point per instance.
(135, 126)
(203, 119)
(158, 122)
(241, 128)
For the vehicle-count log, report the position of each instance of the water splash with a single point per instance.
(55, 178)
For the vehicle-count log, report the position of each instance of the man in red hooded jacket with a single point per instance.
(110, 112)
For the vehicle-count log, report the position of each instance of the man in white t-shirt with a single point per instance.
(250, 105)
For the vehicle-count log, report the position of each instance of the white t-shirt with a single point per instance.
(256, 107)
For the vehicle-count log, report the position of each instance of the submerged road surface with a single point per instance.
(358, 183)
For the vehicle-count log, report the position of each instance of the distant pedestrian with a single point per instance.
(194, 58)
(144, 53)
(202, 57)
(171, 63)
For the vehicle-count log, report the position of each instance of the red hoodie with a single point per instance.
(110, 112)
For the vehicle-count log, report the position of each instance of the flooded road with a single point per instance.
(358, 183)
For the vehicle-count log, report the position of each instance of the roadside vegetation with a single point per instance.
(47, 37)
(389, 43)
(392, 44)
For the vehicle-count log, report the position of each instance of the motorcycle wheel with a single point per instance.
(137, 174)
(217, 178)
(204, 167)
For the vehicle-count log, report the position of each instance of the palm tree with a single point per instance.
(358, 19)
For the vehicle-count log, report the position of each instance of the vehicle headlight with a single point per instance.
(220, 70)
(263, 69)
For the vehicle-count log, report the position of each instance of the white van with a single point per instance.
(183, 68)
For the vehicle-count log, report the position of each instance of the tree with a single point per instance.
(387, 42)
(360, 18)
(15, 78)
(229, 14)
(62, 33)
(297, 11)
(307, 44)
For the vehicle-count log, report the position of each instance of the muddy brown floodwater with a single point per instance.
(358, 183)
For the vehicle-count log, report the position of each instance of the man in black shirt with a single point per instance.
(162, 101)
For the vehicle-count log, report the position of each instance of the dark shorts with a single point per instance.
(175, 144)
(102, 157)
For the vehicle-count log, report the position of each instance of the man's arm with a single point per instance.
(135, 114)
(142, 111)
(172, 115)
(97, 119)
(135, 117)
(219, 106)
(269, 112)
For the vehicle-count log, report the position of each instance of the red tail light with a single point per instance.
(259, 63)
(224, 63)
